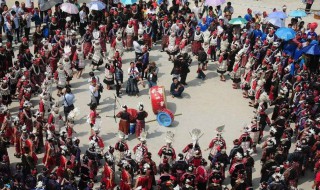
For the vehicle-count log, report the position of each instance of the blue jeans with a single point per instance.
(151, 84)
(178, 93)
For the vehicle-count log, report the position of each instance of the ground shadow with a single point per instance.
(194, 82)
(211, 75)
(79, 84)
(78, 90)
(108, 136)
(80, 134)
(154, 134)
(175, 123)
(185, 96)
(172, 107)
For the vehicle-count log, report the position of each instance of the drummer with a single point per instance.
(176, 88)
(124, 123)
(140, 120)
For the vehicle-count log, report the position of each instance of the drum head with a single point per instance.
(164, 119)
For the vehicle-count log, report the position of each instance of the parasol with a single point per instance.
(285, 33)
(128, 2)
(238, 21)
(278, 14)
(214, 3)
(69, 8)
(48, 4)
(275, 21)
(96, 5)
(298, 13)
(312, 49)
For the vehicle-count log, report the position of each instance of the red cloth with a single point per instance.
(125, 180)
(93, 115)
(41, 107)
(317, 179)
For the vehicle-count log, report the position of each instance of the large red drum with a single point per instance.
(158, 98)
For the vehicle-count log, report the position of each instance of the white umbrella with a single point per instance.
(214, 3)
(278, 14)
(96, 5)
(276, 22)
(69, 8)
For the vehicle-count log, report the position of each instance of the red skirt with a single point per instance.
(244, 60)
(140, 124)
(178, 40)
(103, 45)
(135, 26)
(86, 48)
(124, 186)
(210, 49)
(124, 126)
(53, 62)
(165, 40)
(129, 41)
(147, 40)
(196, 47)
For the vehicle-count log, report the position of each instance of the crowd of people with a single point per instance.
(251, 55)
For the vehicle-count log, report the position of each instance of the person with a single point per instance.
(223, 64)
(93, 115)
(145, 61)
(16, 25)
(152, 74)
(78, 60)
(137, 48)
(132, 85)
(140, 120)
(184, 68)
(109, 76)
(8, 28)
(83, 20)
(228, 8)
(124, 121)
(94, 92)
(60, 77)
(68, 102)
(176, 88)
(308, 6)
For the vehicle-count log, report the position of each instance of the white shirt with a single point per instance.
(133, 72)
(29, 3)
(16, 22)
(137, 47)
(151, 11)
(83, 16)
(28, 19)
(196, 11)
(16, 9)
(92, 88)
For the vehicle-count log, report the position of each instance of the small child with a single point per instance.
(201, 74)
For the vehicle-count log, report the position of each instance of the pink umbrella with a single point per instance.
(214, 3)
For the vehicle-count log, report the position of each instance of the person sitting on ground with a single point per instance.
(176, 88)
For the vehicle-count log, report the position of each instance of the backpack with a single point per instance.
(45, 32)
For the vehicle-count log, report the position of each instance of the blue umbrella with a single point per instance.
(312, 49)
(278, 14)
(128, 2)
(285, 33)
(298, 13)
